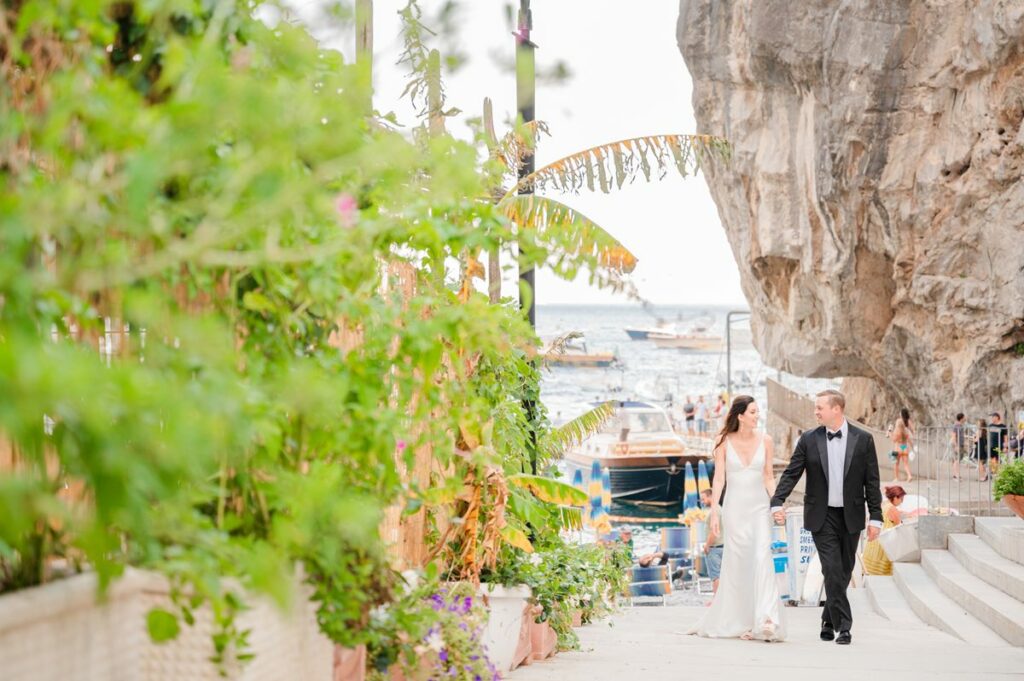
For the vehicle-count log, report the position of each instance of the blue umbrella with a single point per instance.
(577, 480)
(606, 490)
(691, 501)
(596, 492)
(703, 482)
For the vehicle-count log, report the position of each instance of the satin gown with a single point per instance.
(747, 602)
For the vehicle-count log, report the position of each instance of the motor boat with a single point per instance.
(645, 458)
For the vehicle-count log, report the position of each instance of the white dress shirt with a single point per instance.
(836, 460)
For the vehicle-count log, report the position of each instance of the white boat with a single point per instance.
(649, 332)
(697, 339)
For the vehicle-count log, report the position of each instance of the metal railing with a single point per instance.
(948, 471)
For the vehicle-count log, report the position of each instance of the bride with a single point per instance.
(747, 604)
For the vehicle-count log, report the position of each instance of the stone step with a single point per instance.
(886, 600)
(982, 561)
(1005, 535)
(1000, 612)
(939, 610)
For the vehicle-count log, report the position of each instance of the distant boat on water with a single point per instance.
(697, 338)
(575, 354)
(640, 333)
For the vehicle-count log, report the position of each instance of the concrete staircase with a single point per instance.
(973, 589)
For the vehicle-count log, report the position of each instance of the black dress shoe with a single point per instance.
(844, 638)
(827, 632)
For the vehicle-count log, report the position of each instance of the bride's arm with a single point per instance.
(769, 471)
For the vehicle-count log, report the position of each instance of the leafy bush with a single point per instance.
(1010, 480)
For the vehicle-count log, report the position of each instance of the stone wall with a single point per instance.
(873, 199)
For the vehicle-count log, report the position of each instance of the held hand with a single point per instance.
(780, 517)
(872, 533)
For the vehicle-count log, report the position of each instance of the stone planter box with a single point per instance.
(58, 632)
(577, 618)
(507, 624)
(1015, 502)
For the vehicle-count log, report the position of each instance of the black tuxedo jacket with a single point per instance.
(860, 478)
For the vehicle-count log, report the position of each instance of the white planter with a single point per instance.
(506, 606)
(58, 632)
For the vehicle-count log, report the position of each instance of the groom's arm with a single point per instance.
(872, 486)
(791, 475)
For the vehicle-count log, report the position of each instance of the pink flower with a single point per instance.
(400, 446)
(348, 209)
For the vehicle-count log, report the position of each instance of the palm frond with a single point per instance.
(550, 491)
(610, 166)
(560, 439)
(554, 222)
(517, 144)
(517, 538)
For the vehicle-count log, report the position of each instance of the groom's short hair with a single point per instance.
(835, 398)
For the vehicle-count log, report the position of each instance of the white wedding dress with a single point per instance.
(747, 603)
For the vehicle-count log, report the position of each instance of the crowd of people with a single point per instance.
(984, 443)
(700, 417)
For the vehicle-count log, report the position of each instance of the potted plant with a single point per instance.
(1009, 486)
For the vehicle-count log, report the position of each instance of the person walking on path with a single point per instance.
(702, 417)
(958, 440)
(747, 604)
(997, 434)
(689, 412)
(876, 562)
(902, 435)
(981, 445)
(841, 465)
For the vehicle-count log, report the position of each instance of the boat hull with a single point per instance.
(657, 479)
(637, 334)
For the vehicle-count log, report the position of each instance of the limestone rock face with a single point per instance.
(874, 199)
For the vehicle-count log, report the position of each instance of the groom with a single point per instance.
(842, 472)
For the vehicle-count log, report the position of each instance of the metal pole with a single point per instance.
(526, 90)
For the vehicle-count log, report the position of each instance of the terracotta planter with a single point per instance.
(349, 663)
(1015, 502)
(543, 639)
(577, 618)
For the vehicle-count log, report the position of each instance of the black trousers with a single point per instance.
(837, 550)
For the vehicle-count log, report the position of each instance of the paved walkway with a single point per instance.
(644, 642)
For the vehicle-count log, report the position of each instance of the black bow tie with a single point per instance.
(837, 434)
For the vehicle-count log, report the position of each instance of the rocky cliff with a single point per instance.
(874, 199)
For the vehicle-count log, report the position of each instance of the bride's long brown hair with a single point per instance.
(732, 420)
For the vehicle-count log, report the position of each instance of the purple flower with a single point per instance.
(443, 655)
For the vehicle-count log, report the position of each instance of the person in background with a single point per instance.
(981, 449)
(718, 413)
(875, 560)
(713, 547)
(626, 537)
(702, 417)
(997, 435)
(958, 439)
(689, 412)
(902, 434)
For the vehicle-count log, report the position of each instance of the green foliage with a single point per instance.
(1009, 480)
(567, 577)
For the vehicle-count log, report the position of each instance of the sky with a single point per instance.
(628, 79)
